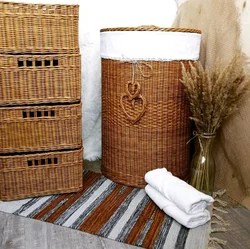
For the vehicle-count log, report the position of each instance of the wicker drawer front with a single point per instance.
(40, 128)
(27, 79)
(29, 175)
(38, 28)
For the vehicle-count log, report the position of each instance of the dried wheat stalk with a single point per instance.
(213, 96)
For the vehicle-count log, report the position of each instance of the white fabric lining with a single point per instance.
(150, 45)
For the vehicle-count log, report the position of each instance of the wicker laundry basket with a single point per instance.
(29, 175)
(40, 128)
(145, 113)
(35, 79)
(38, 28)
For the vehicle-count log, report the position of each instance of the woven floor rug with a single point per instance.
(113, 211)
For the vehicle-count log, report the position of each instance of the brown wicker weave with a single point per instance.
(145, 124)
(38, 28)
(152, 28)
(34, 79)
(133, 144)
(40, 128)
(29, 175)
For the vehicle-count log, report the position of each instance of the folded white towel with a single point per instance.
(187, 220)
(183, 195)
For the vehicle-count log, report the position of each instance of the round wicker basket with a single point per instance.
(145, 113)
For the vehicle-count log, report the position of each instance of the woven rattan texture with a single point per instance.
(152, 28)
(31, 175)
(159, 139)
(40, 128)
(35, 79)
(38, 28)
(40, 92)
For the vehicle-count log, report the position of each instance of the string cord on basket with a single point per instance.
(135, 94)
(137, 65)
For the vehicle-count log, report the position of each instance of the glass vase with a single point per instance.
(203, 165)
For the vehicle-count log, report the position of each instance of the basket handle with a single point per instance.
(38, 114)
(42, 162)
(37, 62)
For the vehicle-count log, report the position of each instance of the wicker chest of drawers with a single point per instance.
(40, 100)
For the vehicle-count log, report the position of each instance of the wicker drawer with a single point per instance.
(29, 175)
(40, 128)
(38, 28)
(34, 79)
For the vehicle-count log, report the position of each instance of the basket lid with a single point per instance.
(150, 43)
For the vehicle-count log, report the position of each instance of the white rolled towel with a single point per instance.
(187, 220)
(183, 195)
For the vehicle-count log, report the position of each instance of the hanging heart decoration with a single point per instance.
(133, 96)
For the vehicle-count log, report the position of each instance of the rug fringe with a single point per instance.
(220, 219)
(220, 210)
(222, 203)
(219, 229)
(219, 193)
(216, 243)
(219, 223)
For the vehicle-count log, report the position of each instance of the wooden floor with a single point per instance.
(23, 233)
(238, 234)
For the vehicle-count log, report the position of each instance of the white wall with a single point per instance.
(94, 15)
(113, 13)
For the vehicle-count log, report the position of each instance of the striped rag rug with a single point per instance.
(110, 210)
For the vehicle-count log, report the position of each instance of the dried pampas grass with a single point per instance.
(214, 95)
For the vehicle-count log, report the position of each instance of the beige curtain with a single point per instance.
(219, 22)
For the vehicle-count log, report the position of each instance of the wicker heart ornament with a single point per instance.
(133, 95)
